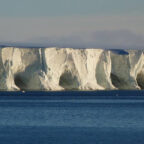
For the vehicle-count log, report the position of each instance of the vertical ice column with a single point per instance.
(103, 70)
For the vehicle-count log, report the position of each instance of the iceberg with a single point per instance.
(52, 69)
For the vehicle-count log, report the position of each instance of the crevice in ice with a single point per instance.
(68, 81)
(140, 80)
(117, 81)
(43, 60)
(19, 82)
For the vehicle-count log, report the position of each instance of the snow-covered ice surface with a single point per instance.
(70, 69)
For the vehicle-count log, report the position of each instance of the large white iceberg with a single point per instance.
(70, 69)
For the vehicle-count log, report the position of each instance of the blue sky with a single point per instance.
(73, 22)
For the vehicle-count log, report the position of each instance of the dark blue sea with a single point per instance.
(102, 117)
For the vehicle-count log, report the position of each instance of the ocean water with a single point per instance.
(115, 117)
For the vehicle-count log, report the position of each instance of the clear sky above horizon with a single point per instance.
(38, 8)
(84, 23)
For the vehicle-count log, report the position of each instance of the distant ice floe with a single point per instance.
(70, 69)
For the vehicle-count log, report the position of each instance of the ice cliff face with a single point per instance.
(70, 69)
